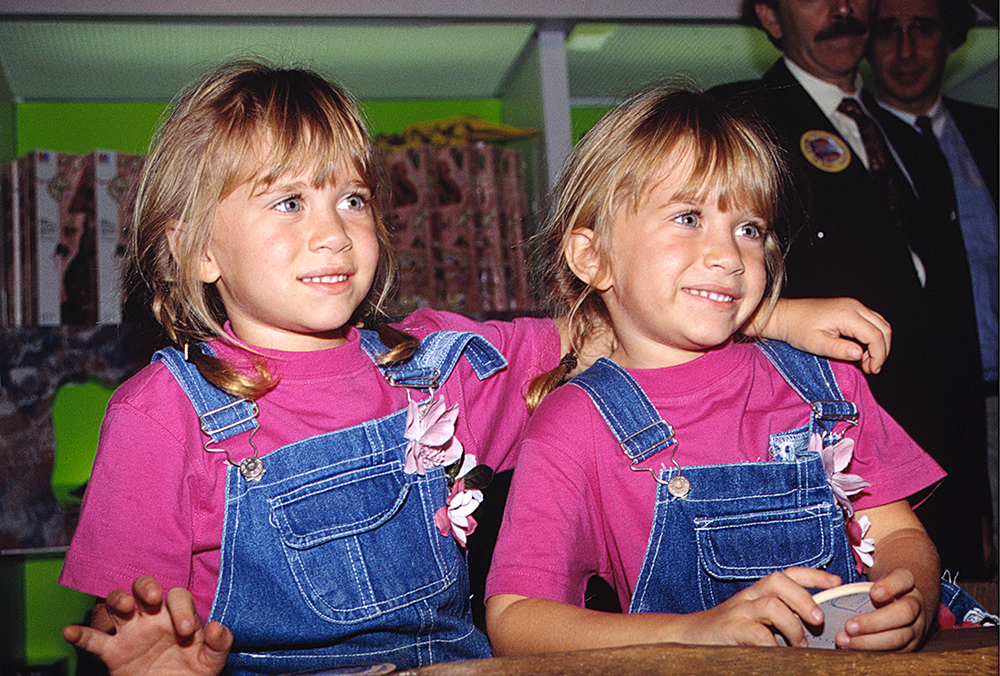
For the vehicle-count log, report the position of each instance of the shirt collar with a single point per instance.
(827, 96)
(937, 113)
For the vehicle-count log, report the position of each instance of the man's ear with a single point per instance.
(768, 17)
(585, 260)
(208, 269)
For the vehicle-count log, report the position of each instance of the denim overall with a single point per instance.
(739, 522)
(332, 553)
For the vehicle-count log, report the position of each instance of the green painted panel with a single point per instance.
(82, 127)
(582, 118)
(50, 607)
(128, 127)
(36, 608)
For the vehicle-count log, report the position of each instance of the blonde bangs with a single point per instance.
(723, 153)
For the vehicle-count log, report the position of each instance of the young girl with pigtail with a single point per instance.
(712, 481)
(298, 472)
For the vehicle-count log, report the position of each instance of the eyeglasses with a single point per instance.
(920, 29)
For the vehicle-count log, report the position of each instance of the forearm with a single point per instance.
(536, 625)
(912, 549)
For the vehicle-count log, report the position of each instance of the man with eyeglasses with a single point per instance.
(911, 42)
(866, 234)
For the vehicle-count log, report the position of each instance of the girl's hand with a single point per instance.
(838, 328)
(152, 634)
(899, 622)
(777, 602)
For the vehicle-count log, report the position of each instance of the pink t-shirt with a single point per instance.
(155, 501)
(576, 509)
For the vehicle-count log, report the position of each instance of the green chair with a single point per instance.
(35, 607)
(77, 411)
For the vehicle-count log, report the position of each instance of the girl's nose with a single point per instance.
(722, 251)
(329, 231)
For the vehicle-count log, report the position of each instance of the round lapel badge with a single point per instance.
(825, 151)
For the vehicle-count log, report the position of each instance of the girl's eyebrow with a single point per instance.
(264, 189)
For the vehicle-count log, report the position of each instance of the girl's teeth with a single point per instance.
(722, 298)
(329, 279)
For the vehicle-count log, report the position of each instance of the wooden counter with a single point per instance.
(960, 651)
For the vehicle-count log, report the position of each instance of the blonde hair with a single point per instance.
(245, 121)
(616, 165)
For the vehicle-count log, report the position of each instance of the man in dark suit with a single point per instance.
(867, 236)
(912, 40)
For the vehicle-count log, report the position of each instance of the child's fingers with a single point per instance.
(903, 612)
(183, 614)
(897, 583)
(119, 604)
(148, 593)
(812, 577)
(89, 639)
(218, 641)
(900, 638)
(781, 599)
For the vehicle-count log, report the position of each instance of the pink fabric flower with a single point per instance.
(836, 458)
(862, 546)
(431, 433)
(456, 517)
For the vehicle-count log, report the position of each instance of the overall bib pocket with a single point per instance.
(735, 551)
(362, 543)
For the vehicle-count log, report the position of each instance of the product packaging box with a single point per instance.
(454, 229)
(409, 219)
(489, 246)
(56, 238)
(116, 177)
(515, 214)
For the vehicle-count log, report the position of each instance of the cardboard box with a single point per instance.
(492, 282)
(409, 219)
(52, 235)
(454, 230)
(116, 178)
(514, 229)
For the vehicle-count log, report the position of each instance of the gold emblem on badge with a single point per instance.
(825, 151)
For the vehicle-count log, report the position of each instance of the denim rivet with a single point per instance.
(679, 486)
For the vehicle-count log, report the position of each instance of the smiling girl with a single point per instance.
(705, 478)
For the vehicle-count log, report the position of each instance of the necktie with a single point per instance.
(871, 136)
(880, 162)
(925, 127)
(927, 131)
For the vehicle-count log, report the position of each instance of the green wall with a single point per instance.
(128, 127)
(82, 127)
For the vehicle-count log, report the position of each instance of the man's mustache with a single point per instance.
(845, 26)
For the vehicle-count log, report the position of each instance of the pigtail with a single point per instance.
(218, 372)
(402, 346)
(542, 384)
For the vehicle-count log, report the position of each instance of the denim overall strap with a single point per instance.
(438, 354)
(332, 557)
(221, 414)
(626, 409)
(812, 379)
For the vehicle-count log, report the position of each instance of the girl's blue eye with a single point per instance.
(355, 202)
(688, 218)
(289, 204)
(751, 230)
